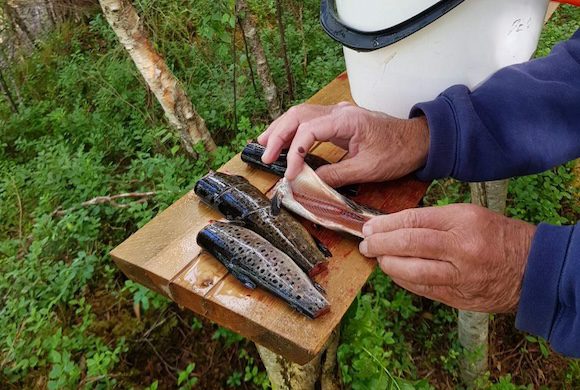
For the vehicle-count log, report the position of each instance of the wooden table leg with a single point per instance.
(473, 336)
(322, 370)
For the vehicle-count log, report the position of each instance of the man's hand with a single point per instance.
(462, 255)
(379, 146)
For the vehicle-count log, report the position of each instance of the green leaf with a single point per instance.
(531, 339)
(54, 356)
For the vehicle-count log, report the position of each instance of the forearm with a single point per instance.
(522, 120)
(550, 297)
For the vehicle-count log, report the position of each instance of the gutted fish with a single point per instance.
(255, 262)
(238, 200)
(253, 152)
(307, 195)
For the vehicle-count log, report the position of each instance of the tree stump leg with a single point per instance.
(473, 333)
(285, 375)
(473, 327)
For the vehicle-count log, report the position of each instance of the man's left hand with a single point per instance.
(462, 255)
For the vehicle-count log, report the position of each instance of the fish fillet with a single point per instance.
(307, 195)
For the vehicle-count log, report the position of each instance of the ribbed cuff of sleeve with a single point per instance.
(539, 299)
(443, 133)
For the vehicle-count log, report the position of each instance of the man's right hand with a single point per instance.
(379, 146)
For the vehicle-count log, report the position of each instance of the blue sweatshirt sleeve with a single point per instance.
(550, 298)
(524, 119)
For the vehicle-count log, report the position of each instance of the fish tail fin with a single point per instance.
(322, 247)
(319, 288)
(322, 311)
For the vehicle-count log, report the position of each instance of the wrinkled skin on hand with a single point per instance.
(463, 255)
(379, 146)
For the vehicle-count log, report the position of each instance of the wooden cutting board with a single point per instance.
(164, 256)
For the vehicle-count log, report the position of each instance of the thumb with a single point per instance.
(341, 173)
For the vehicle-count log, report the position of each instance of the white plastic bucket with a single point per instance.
(401, 52)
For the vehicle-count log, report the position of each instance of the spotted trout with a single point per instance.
(238, 200)
(307, 195)
(255, 262)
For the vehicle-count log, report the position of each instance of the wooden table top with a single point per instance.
(164, 256)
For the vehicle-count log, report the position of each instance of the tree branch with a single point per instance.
(107, 199)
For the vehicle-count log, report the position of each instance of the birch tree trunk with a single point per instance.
(178, 109)
(262, 68)
(473, 327)
(289, 78)
(320, 373)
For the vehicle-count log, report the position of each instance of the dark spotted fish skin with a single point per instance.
(252, 154)
(238, 200)
(255, 262)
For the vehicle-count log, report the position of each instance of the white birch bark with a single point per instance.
(320, 373)
(178, 109)
(473, 327)
(262, 68)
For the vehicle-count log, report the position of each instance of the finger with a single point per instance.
(276, 142)
(418, 271)
(344, 172)
(304, 111)
(418, 242)
(281, 132)
(263, 138)
(441, 294)
(318, 129)
(444, 294)
(426, 217)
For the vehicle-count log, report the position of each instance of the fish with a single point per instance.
(310, 197)
(253, 152)
(254, 261)
(238, 200)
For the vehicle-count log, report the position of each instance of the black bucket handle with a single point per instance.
(373, 40)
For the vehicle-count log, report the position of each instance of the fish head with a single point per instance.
(214, 188)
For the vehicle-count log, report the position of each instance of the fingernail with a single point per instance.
(265, 156)
(367, 230)
(363, 247)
